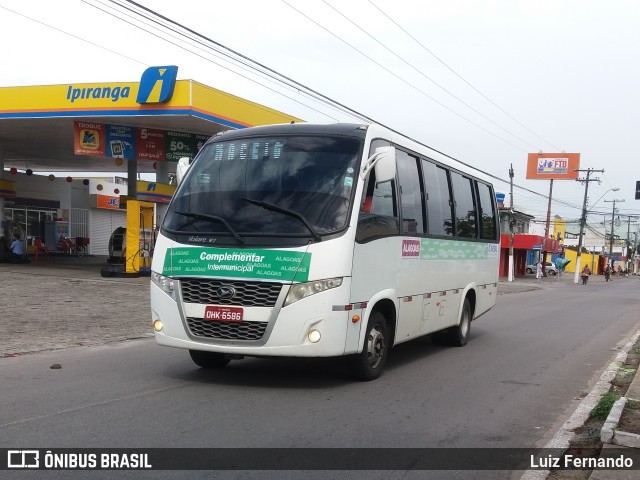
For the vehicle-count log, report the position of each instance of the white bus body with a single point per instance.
(237, 271)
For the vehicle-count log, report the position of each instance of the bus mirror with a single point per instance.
(384, 161)
(181, 169)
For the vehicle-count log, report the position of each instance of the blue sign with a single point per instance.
(121, 142)
(156, 84)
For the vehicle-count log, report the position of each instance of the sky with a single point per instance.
(484, 81)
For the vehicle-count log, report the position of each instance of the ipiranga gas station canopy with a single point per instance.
(40, 125)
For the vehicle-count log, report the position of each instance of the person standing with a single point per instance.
(538, 271)
(607, 273)
(586, 271)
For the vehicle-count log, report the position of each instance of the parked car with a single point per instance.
(549, 267)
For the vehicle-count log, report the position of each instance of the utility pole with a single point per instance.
(627, 264)
(613, 212)
(635, 250)
(510, 275)
(629, 253)
(583, 218)
(546, 231)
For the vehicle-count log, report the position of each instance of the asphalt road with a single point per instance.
(528, 363)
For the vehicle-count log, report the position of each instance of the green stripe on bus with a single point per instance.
(229, 262)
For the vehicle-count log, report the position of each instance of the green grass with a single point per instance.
(602, 409)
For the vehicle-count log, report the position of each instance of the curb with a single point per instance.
(610, 435)
(561, 440)
(608, 429)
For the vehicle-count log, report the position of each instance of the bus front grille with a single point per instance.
(245, 294)
(226, 330)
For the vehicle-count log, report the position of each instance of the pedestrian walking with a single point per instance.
(538, 271)
(607, 273)
(586, 271)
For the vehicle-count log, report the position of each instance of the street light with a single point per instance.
(583, 221)
(614, 189)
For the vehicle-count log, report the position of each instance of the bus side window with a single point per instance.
(439, 203)
(378, 211)
(488, 224)
(410, 194)
(465, 206)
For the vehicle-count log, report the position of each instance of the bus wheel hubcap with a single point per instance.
(375, 347)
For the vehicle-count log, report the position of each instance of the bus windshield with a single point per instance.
(285, 187)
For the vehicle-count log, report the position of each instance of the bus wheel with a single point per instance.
(457, 336)
(368, 364)
(208, 359)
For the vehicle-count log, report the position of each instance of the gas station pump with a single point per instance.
(134, 244)
(139, 237)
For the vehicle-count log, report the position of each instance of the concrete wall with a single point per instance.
(585, 259)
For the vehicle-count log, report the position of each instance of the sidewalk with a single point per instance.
(529, 282)
(64, 302)
(618, 442)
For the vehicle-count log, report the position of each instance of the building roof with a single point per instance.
(37, 122)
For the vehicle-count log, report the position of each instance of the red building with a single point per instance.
(521, 244)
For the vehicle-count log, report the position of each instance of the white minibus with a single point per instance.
(305, 240)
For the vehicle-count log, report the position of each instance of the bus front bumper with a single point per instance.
(308, 328)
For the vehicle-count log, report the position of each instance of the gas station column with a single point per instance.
(132, 178)
(3, 218)
(162, 172)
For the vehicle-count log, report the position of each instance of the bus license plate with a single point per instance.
(223, 314)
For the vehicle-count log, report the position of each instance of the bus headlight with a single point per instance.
(303, 290)
(165, 283)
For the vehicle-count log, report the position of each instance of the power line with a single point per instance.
(461, 78)
(205, 58)
(293, 82)
(301, 88)
(320, 96)
(75, 36)
(262, 68)
(403, 80)
(429, 78)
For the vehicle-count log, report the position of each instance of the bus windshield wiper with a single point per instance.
(213, 218)
(286, 211)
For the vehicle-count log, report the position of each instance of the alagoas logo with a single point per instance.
(410, 248)
(156, 84)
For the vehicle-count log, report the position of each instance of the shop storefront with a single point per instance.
(524, 246)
